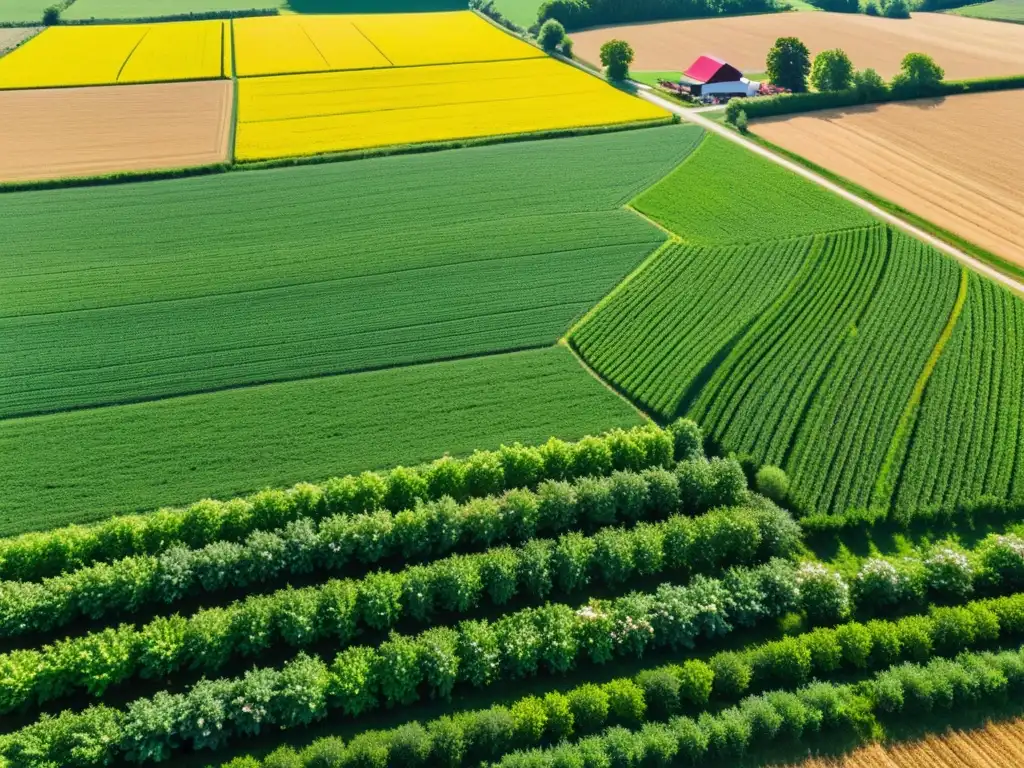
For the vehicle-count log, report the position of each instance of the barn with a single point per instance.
(710, 76)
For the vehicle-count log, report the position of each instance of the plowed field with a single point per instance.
(53, 133)
(939, 159)
(964, 47)
(994, 746)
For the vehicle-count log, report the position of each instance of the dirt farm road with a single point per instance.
(695, 117)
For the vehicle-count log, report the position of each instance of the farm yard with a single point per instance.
(355, 430)
(62, 132)
(967, 48)
(899, 152)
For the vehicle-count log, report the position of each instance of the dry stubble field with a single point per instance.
(994, 746)
(965, 47)
(938, 158)
(53, 133)
(12, 36)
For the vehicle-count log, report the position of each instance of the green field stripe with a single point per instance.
(884, 485)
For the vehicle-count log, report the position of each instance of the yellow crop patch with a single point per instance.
(334, 112)
(121, 53)
(274, 45)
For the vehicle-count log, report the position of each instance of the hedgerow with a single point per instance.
(553, 638)
(344, 542)
(340, 610)
(818, 709)
(33, 556)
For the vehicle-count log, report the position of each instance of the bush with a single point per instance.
(551, 35)
(742, 124)
(661, 692)
(771, 481)
(949, 573)
(824, 596)
(919, 75)
(589, 705)
(410, 745)
(567, 47)
(832, 71)
(687, 438)
(896, 9)
(626, 704)
(616, 56)
(788, 64)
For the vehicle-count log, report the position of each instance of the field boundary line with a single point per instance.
(395, 66)
(117, 78)
(883, 485)
(940, 245)
(233, 138)
(375, 46)
(564, 342)
(621, 285)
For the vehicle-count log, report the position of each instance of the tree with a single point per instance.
(788, 64)
(918, 75)
(551, 34)
(51, 16)
(869, 84)
(832, 71)
(896, 9)
(616, 56)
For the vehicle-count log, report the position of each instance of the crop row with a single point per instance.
(842, 448)
(338, 611)
(34, 556)
(640, 341)
(306, 689)
(552, 639)
(820, 709)
(661, 693)
(431, 530)
(968, 436)
(756, 399)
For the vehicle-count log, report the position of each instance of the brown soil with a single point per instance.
(994, 746)
(10, 37)
(60, 132)
(963, 47)
(953, 161)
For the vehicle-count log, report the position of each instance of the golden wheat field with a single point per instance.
(994, 746)
(277, 45)
(333, 112)
(120, 53)
(933, 157)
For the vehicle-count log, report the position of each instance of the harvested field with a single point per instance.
(994, 746)
(54, 133)
(120, 53)
(902, 152)
(11, 37)
(963, 47)
(333, 112)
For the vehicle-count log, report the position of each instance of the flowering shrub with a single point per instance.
(949, 573)
(824, 595)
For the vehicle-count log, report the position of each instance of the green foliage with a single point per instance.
(772, 482)
(742, 124)
(551, 35)
(919, 75)
(896, 9)
(51, 15)
(788, 64)
(616, 56)
(832, 71)
(577, 14)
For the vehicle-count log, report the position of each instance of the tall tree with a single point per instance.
(616, 56)
(832, 71)
(789, 63)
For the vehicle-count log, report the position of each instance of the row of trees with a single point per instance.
(789, 66)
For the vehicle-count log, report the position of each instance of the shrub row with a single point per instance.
(662, 693)
(347, 542)
(478, 653)
(577, 14)
(339, 610)
(782, 717)
(33, 556)
(789, 103)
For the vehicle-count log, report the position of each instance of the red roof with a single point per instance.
(708, 69)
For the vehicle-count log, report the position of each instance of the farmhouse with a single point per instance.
(710, 76)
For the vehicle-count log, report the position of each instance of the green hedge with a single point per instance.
(340, 610)
(578, 14)
(552, 639)
(36, 555)
(348, 543)
(789, 103)
(985, 510)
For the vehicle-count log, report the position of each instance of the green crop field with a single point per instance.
(994, 10)
(23, 11)
(133, 9)
(521, 12)
(759, 201)
(968, 439)
(86, 465)
(374, 264)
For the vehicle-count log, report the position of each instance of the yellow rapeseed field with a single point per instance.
(276, 45)
(119, 53)
(333, 112)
